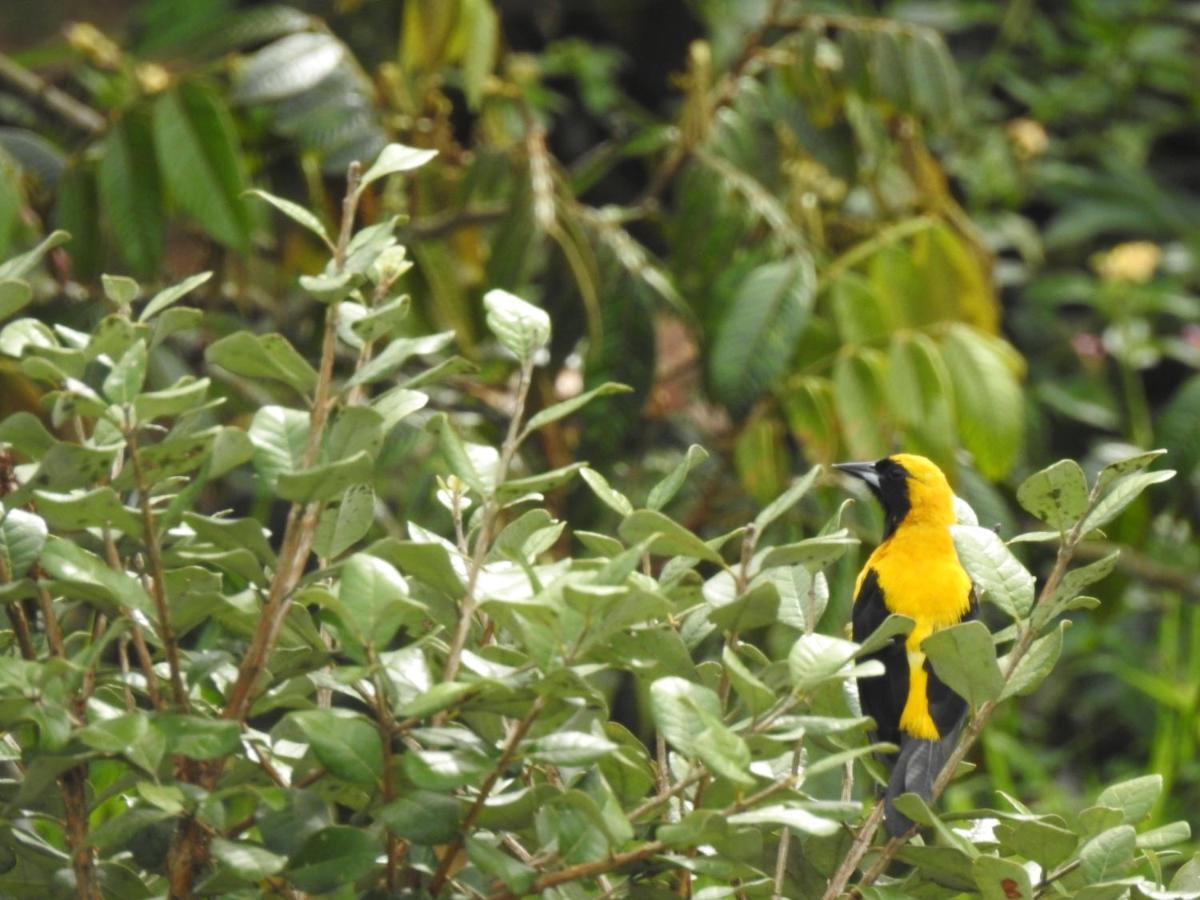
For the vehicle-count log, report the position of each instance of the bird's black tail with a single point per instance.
(915, 770)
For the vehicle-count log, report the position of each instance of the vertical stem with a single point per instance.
(515, 735)
(158, 579)
(491, 511)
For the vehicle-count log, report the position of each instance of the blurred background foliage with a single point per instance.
(801, 231)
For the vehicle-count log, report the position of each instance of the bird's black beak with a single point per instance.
(864, 470)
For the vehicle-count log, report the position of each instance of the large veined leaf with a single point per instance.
(77, 212)
(991, 413)
(288, 66)
(862, 410)
(129, 191)
(755, 340)
(921, 396)
(200, 159)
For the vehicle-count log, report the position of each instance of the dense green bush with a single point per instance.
(354, 702)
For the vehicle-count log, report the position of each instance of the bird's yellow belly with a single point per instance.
(920, 577)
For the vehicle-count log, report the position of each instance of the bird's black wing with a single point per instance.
(882, 697)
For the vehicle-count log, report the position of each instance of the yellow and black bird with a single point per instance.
(913, 572)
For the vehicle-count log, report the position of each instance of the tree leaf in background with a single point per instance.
(201, 161)
(921, 397)
(290, 65)
(991, 411)
(858, 393)
(129, 191)
(263, 356)
(77, 212)
(754, 341)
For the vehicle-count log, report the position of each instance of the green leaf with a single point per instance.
(288, 66)
(22, 265)
(129, 192)
(444, 770)
(296, 213)
(1164, 836)
(945, 866)
(263, 356)
(753, 608)
(756, 695)
(381, 320)
(890, 628)
(755, 340)
(347, 744)
(1071, 584)
(201, 160)
(250, 862)
(73, 565)
(125, 380)
(1108, 854)
(996, 573)
(689, 718)
(515, 875)
(279, 436)
(370, 594)
(1123, 491)
(397, 404)
(566, 407)
(427, 562)
(1036, 664)
(185, 395)
(964, 657)
(130, 735)
(798, 820)
(1046, 844)
(1127, 466)
(26, 434)
(1001, 879)
(96, 508)
(199, 738)
(22, 538)
(332, 858)
(1058, 494)
(327, 481)
(396, 354)
(785, 501)
(815, 553)
(423, 817)
(921, 395)
(395, 158)
(14, 296)
(521, 327)
(121, 290)
(858, 394)
(668, 487)
(991, 411)
(803, 595)
(610, 496)
(169, 296)
(568, 748)
(669, 537)
(1134, 798)
(817, 658)
(341, 526)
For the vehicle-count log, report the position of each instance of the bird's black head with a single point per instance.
(888, 481)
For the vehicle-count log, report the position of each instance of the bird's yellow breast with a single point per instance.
(920, 577)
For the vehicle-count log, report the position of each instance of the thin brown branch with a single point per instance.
(617, 860)
(515, 736)
(62, 104)
(158, 578)
(145, 662)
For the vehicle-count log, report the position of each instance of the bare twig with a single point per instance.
(58, 102)
(158, 580)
